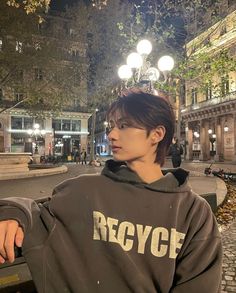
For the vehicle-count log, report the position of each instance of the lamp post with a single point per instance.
(36, 132)
(93, 125)
(140, 70)
(106, 144)
(212, 139)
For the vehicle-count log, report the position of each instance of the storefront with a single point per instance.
(59, 136)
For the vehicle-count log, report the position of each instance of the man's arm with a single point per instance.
(16, 217)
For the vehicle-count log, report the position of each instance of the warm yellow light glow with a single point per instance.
(166, 63)
(134, 60)
(144, 47)
(125, 72)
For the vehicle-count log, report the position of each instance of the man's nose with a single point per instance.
(113, 134)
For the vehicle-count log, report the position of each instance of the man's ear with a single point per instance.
(158, 134)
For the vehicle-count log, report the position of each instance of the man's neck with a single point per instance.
(147, 172)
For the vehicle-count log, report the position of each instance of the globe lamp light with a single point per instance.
(134, 60)
(144, 47)
(166, 63)
(125, 72)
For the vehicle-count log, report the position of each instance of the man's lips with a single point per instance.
(115, 148)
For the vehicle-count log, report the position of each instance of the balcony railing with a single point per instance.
(212, 102)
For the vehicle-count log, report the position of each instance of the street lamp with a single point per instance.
(141, 70)
(92, 141)
(36, 132)
(226, 128)
(196, 134)
(106, 143)
(212, 139)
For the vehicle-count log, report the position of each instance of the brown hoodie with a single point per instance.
(114, 233)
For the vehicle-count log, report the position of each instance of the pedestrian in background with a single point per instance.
(176, 150)
(132, 228)
(77, 157)
(84, 157)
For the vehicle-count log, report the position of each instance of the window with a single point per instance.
(0, 44)
(56, 124)
(75, 102)
(16, 122)
(208, 92)
(38, 74)
(19, 97)
(76, 125)
(224, 85)
(66, 125)
(74, 53)
(28, 123)
(194, 96)
(16, 140)
(19, 46)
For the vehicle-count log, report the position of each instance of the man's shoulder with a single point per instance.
(84, 179)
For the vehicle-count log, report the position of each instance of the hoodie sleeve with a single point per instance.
(199, 264)
(22, 210)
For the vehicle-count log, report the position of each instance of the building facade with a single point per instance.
(57, 135)
(209, 116)
(101, 143)
(62, 78)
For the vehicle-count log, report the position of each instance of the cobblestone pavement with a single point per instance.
(229, 259)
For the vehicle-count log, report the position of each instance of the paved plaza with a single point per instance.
(42, 187)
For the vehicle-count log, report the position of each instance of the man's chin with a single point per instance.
(117, 158)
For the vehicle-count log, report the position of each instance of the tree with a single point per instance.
(46, 66)
(30, 6)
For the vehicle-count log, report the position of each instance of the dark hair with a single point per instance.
(148, 111)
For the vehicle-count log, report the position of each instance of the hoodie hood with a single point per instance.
(174, 180)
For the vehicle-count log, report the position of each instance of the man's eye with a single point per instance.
(124, 125)
(109, 129)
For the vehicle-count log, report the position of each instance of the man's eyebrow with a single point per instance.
(122, 119)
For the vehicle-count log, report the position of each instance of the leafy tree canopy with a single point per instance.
(30, 6)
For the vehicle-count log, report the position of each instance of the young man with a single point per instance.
(133, 228)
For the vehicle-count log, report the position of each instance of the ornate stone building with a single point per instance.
(210, 117)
